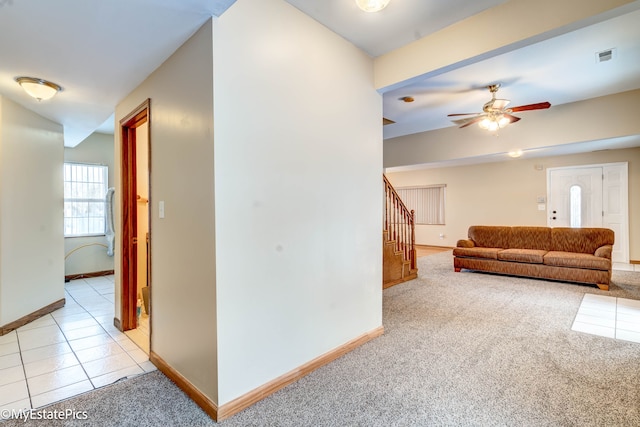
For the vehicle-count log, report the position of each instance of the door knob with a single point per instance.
(555, 212)
(553, 217)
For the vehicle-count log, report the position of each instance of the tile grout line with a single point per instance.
(107, 332)
(69, 344)
(24, 371)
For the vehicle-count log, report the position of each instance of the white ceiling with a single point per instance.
(99, 51)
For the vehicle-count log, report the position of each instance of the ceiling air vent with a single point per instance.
(605, 55)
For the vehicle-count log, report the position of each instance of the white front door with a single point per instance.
(575, 197)
(592, 196)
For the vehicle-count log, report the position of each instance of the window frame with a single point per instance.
(424, 215)
(69, 182)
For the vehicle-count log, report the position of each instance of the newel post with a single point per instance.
(413, 240)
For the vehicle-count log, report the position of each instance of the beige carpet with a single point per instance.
(460, 349)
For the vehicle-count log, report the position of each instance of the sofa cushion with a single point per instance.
(488, 236)
(490, 253)
(532, 256)
(577, 260)
(583, 240)
(530, 238)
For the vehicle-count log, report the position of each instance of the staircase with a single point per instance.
(398, 237)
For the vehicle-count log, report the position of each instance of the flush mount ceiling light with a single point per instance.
(372, 5)
(38, 88)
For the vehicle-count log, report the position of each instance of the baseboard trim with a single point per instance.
(117, 324)
(185, 385)
(219, 413)
(434, 246)
(244, 401)
(31, 317)
(88, 275)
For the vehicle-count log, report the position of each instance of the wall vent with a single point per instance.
(606, 55)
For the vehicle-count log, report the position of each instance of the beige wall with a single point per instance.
(183, 316)
(142, 190)
(505, 193)
(86, 254)
(298, 193)
(31, 195)
(490, 33)
(595, 119)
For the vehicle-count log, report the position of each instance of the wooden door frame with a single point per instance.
(129, 261)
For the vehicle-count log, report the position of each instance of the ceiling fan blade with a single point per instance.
(538, 106)
(462, 114)
(512, 119)
(472, 121)
(499, 104)
(465, 120)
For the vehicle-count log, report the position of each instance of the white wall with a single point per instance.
(298, 171)
(31, 194)
(183, 311)
(505, 193)
(84, 254)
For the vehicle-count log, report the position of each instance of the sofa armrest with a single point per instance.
(465, 243)
(604, 251)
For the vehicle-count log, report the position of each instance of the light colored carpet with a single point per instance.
(463, 349)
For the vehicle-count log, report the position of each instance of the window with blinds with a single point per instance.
(427, 202)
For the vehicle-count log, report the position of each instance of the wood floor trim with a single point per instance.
(87, 275)
(31, 317)
(243, 402)
(201, 399)
(219, 413)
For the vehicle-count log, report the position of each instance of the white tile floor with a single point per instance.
(610, 317)
(73, 350)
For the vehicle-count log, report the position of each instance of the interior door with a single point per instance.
(575, 197)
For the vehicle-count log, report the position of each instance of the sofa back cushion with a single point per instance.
(530, 238)
(581, 240)
(489, 236)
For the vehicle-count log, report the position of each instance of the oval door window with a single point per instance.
(575, 194)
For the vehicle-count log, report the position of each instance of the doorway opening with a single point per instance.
(136, 230)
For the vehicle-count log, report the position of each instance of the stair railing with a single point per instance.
(399, 222)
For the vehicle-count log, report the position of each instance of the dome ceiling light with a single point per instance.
(40, 89)
(372, 5)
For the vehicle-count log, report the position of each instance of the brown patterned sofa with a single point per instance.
(580, 255)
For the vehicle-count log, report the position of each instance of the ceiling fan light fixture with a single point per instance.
(39, 89)
(503, 121)
(493, 122)
(372, 5)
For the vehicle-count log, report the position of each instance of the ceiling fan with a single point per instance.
(495, 114)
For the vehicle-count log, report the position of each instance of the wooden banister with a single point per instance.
(399, 223)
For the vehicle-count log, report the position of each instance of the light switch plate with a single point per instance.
(542, 206)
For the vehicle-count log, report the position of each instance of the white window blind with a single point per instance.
(427, 202)
(85, 188)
